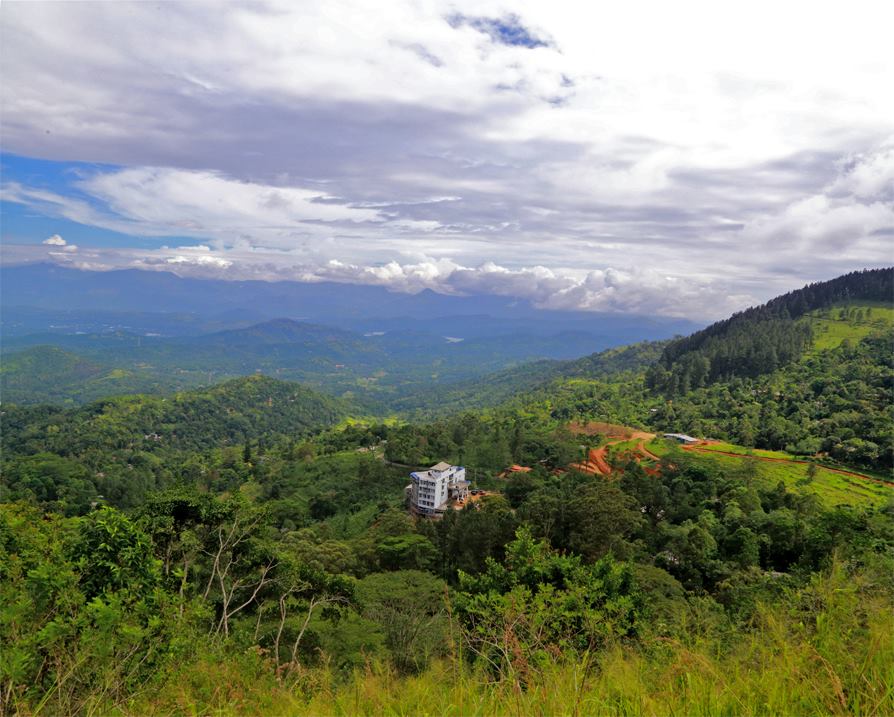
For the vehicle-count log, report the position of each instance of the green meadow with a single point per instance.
(833, 489)
(851, 322)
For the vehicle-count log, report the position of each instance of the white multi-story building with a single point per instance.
(432, 490)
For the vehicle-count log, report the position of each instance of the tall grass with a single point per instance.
(826, 650)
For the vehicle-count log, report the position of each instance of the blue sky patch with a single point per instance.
(28, 224)
(506, 30)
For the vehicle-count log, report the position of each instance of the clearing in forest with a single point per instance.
(833, 486)
(609, 430)
(596, 462)
(848, 322)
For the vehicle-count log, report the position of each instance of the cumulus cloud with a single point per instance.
(579, 160)
(215, 261)
(868, 175)
(60, 243)
(850, 218)
(639, 291)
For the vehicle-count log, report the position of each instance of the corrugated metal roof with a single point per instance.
(681, 437)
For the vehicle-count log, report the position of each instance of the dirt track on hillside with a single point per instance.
(641, 447)
(597, 463)
(768, 459)
(597, 459)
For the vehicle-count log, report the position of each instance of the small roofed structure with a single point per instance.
(514, 468)
(681, 438)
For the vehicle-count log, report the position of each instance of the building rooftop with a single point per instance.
(442, 466)
(681, 437)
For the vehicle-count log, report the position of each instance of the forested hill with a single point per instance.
(215, 552)
(831, 401)
(229, 413)
(504, 385)
(750, 344)
(761, 339)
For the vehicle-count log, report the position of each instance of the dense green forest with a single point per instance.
(761, 339)
(378, 370)
(123, 447)
(309, 572)
(246, 548)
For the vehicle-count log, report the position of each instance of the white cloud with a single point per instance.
(644, 149)
(852, 217)
(611, 290)
(54, 240)
(868, 175)
(213, 261)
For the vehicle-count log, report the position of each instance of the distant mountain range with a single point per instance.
(74, 336)
(36, 296)
(809, 372)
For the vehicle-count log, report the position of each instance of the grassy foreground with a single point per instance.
(826, 649)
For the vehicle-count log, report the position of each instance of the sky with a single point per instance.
(684, 159)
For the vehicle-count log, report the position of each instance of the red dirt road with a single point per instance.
(596, 463)
(768, 459)
(641, 448)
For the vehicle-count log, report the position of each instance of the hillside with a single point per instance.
(833, 487)
(503, 386)
(750, 344)
(122, 447)
(830, 398)
(50, 374)
(384, 370)
(262, 514)
(58, 373)
(763, 338)
(835, 400)
(849, 321)
(230, 412)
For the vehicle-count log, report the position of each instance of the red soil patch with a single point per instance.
(609, 430)
(597, 463)
(513, 469)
